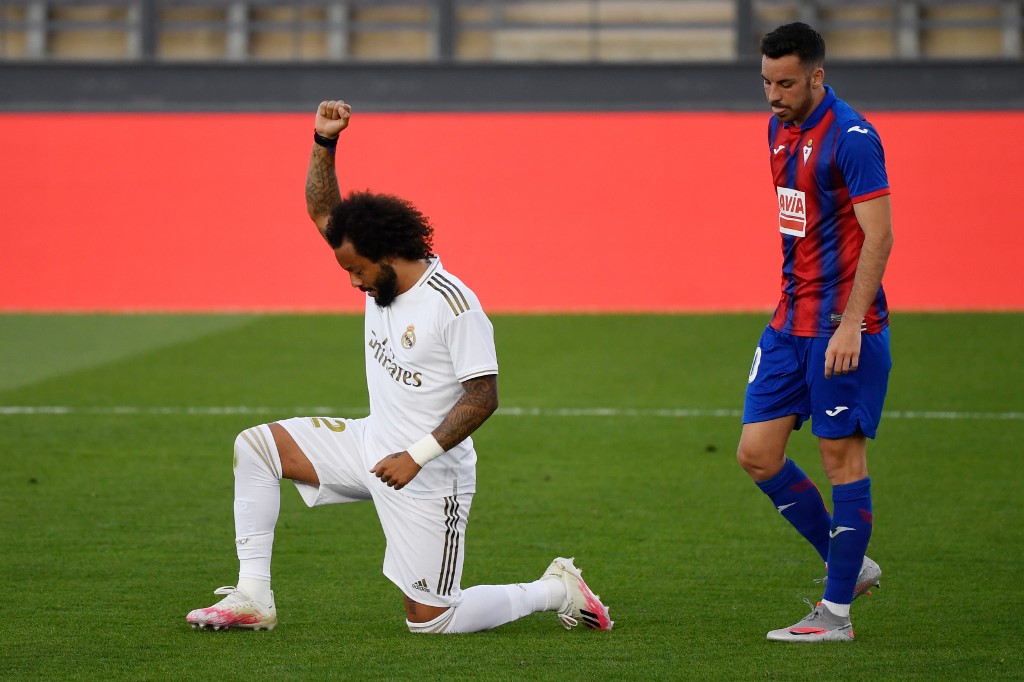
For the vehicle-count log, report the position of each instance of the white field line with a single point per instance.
(671, 413)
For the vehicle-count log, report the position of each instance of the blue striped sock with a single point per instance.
(798, 500)
(851, 530)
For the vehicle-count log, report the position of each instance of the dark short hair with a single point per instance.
(380, 226)
(797, 38)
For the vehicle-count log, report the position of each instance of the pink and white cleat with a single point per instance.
(236, 610)
(580, 604)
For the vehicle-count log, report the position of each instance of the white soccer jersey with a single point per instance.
(418, 351)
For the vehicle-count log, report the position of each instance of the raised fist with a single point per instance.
(332, 117)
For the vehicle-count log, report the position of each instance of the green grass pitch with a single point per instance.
(614, 443)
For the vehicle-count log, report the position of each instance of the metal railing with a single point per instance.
(496, 30)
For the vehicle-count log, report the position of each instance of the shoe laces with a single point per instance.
(568, 622)
(814, 610)
(233, 596)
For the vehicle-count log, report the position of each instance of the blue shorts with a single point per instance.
(788, 377)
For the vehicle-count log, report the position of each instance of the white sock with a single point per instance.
(841, 610)
(257, 505)
(487, 606)
(547, 594)
(257, 589)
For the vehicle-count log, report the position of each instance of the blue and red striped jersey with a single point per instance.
(821, 169)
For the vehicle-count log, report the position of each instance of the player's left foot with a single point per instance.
(870, 576)
(820, 625)
(236, 610)
(581, 604)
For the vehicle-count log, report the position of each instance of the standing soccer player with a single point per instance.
(431, 370)
(825, 353)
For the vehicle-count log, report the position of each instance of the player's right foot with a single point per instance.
(581, 604)
(820, 625)
(869, 576)
(236, 610)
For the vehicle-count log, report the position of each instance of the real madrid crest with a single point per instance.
(409, 337)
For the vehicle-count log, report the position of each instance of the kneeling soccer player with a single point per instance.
(431, 370)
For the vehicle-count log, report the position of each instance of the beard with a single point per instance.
(798, 111)
(386, 286)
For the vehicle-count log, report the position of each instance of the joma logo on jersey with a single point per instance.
(792, 212)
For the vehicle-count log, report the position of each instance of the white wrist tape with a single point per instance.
(425, 449)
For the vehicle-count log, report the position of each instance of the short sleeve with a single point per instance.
(861, 160)
(470, 338)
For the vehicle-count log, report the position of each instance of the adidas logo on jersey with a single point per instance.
(421, 585)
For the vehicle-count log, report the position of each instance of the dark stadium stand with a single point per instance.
(267, 55)
(497, 30)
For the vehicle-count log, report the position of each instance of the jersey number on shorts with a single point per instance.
(755, 365)
(337, 426)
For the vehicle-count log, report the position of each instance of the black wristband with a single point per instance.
(328, 143)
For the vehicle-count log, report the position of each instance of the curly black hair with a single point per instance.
(797, 38)
(380, 226)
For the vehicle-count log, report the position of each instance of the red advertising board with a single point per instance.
(538, 212)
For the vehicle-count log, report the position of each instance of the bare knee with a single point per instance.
(762, 449)
(415, 612)
(429, 620)
(759, 463)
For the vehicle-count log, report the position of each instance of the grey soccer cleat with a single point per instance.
(869, 576)
(581, 604)
(820, 625)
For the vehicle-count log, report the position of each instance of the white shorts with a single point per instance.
(426, 538)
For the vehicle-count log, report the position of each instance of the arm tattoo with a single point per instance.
(322, 193)
(478, 402)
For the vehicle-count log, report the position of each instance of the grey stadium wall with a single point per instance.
(962, 85)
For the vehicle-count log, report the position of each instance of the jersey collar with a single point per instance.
(433, 265)
(819, 112)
